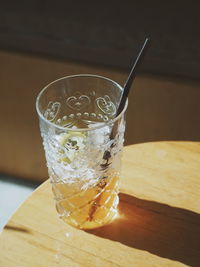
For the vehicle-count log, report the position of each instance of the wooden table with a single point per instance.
(159, 223)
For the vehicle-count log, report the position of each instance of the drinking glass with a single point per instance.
(83, 141)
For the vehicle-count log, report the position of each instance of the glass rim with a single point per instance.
(103, 124)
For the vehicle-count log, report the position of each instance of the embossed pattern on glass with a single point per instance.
(83, 157)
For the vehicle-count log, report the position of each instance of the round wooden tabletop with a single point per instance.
(159, 222)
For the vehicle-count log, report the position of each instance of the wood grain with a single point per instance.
(159, 222)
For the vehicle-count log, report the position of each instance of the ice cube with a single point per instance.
(99, 136)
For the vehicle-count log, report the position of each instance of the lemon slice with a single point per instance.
(71, 143)
(65, 138)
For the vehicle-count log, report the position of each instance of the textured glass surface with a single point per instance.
(83, 143)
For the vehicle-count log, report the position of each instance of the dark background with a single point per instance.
(108, 33)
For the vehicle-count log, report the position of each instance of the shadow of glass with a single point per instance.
(165, 231)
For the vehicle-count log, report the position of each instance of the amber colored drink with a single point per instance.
(90, 208)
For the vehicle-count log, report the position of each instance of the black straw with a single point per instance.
(127, 86)
(131, 77)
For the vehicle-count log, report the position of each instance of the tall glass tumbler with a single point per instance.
(83, 141)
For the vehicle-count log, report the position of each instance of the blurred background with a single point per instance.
(41, 41)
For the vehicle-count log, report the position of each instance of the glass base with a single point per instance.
(110, 216)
